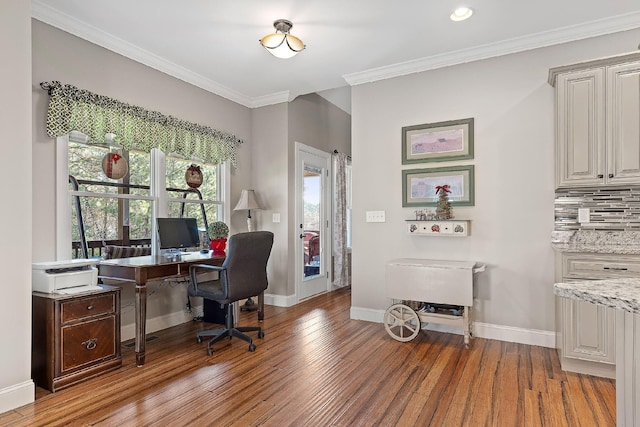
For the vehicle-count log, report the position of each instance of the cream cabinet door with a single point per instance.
(580, 128)
(623, 123)
(589, 332)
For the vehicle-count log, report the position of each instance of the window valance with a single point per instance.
(95, 115)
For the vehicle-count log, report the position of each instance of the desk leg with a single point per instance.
(141, 322)
(467, 325)
(261, 307)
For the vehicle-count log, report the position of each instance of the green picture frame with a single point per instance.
(438, 142)
(418, 185)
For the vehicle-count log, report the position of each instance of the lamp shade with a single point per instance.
(282, 44)
(247, 201)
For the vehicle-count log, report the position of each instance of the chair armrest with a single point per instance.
(194, 269)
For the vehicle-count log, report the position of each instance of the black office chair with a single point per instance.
(242, 275)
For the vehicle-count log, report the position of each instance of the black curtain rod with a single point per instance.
(336, 152)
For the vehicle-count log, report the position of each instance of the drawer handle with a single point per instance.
(90, 308)
(616, 268)
(90, 344)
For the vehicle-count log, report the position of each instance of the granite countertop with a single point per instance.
(621, 294)
(593, 241)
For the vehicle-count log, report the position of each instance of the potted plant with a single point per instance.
(218, 232)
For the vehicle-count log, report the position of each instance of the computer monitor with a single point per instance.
(178, 233)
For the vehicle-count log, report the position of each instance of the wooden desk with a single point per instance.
(143, 269)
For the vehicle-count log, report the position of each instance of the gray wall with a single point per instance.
(309, 119)
(58, 55)
(512, 219)
(269, 179)
(16, 387)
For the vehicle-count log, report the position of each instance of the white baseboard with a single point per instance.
(128, 332)
(280, 300)
(481, 330)
(17, 395)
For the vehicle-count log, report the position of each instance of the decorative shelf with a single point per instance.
(439, 227)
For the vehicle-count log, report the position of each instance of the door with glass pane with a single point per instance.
(312, 221)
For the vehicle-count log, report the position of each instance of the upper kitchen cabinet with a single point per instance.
(598, 122)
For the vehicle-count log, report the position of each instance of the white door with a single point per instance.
(312, 221)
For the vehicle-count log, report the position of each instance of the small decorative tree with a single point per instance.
(443, 209)
(218, 232)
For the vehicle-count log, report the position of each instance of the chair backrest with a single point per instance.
(246, 264)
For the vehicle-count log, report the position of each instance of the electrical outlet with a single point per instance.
(584, 215)
(375, 216)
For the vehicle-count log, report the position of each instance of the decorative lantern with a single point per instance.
(193, 176)
(114, 165)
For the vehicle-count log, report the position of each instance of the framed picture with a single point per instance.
(438, 142)
(419, 185)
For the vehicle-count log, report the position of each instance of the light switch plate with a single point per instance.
(375, 216)
(276, 217)
(584, 215)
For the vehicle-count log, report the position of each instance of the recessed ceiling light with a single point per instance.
(461, 13)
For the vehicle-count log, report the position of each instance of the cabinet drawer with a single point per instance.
(87, 307)
(601, 268)
(88, 342)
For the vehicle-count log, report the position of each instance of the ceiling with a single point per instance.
(213, 44)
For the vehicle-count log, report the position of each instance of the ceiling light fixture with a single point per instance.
(282, 44)
(461, 13)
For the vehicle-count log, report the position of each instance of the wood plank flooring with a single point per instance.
(316, 367)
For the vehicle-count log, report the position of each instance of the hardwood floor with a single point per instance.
(316, 367)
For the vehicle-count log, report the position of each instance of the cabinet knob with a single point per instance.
(600, 175)
(610, 175)
(90, 344)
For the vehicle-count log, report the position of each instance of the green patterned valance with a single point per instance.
(94, 115)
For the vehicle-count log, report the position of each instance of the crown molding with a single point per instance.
(47, 14)
(274, 98)
(519, 44)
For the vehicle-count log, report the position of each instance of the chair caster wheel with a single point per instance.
(252, 347)
(209, 351)
(260, 334)
(199, 340)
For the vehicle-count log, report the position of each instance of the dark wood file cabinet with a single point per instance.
(74, 337)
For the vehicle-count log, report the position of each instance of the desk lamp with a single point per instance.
(248, 201)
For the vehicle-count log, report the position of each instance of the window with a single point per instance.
(121, 212)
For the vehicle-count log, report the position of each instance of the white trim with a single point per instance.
(17, 395)
(325, 216)
(63, 200)
(280, 300)
(224, 184)
(518, 44)
(272, 99)
(51, 16)
(45, 13)
(111, 195)
(481, 330)
(158, 323)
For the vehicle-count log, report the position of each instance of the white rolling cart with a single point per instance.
(428, 281)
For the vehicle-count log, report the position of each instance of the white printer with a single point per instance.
(69, 276)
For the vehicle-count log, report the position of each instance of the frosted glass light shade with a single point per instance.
(281, 44)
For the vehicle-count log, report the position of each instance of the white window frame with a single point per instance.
(158, 196)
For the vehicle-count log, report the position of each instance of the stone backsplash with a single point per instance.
(610, 209)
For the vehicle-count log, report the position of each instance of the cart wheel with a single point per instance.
(401, 322)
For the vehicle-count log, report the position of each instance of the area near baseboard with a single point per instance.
(128, 332)
(481, 330)
(17, 395)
